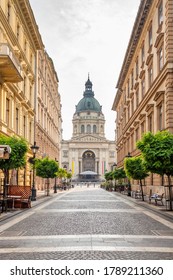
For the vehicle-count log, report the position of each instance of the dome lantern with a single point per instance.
(88, 102)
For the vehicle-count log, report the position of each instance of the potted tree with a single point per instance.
(109, 177)
(119, 174)
(135, 169)
(46, 168)
(61, 173)
(17, 158)
(157, 151)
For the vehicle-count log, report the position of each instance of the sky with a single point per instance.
(81, 37)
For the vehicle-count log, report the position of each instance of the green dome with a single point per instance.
(88, 102)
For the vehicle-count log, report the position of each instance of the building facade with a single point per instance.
(19, 42)
(144, 98)
(48, 120)
(28, 86)
(88, 154)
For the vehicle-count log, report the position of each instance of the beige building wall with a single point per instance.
(144, 101)
(30, 104)
(48, 111)
(19, 42)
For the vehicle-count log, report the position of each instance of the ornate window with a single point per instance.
(143, 87)
(8, 11)
(132, 80)
(142, 54)
(150, 37)
(132, 105)
(18, 31)
(30, 131)
(128, 88)
(94, 128)
(82, 128)
(88, 128)
(137, 134)
(137, 68)
(160, 13)
(150, 75)
(17, 120)
(65, 153)
(150, 122)
(24, 126)
(137, 97)
(75, 129)
(160, 117)
(142, 128)
(160, 59)
(7, 111)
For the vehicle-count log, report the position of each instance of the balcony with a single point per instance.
(9, 66)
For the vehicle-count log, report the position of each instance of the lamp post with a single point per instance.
(129, 185)
(55, 190)
(113, 166)
(112, 169)
(70, 178)
(34, 149)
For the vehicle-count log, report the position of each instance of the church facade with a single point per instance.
(88, 154)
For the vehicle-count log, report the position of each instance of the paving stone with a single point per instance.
(88, 255)
(90, 224)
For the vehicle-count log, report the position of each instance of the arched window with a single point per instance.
(94, 128)
(75, 129)
(82, 128)
(88, 128)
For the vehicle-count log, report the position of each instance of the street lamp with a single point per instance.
(129, 185)
(70, 178)
(55, 190)
(34, 149)
(113, 166)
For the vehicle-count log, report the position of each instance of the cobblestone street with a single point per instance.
(87, 223)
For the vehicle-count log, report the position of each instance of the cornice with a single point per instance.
(30, 23)
(136, 32)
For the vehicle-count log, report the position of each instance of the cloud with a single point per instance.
(84, 36)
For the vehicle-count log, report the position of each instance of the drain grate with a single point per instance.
(12, 233)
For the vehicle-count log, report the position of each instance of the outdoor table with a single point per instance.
(13, 197)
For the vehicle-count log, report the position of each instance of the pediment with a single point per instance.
(88, 138)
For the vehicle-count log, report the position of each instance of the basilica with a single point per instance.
(88, 154)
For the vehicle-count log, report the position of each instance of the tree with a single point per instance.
(46, 168)
(62, 173)
(135, 169)
(157, 151)
(108, 176)
(17, 159)
(69, 176)
(19, 148)
(119, 174)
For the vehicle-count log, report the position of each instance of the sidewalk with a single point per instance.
(160, 209)
(41, 197)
